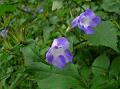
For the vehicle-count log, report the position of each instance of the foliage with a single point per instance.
(30, 34)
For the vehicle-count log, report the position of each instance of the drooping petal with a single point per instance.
(88, 30)
(62, 58)
(69, 55)
(59, 61)
(95, 21)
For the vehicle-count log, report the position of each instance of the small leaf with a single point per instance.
(57, 4)
(29, 53)
(100, 65)
(46, 32)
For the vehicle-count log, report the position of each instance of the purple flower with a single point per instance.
(86, 21)
(4, 33)
(39, 10)
(59, 54)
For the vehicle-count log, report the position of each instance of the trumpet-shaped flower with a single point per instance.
(59, 54)
(86, 21)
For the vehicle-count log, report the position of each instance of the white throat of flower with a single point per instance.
(85, 21)
(56, 52)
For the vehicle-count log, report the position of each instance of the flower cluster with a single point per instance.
(86, 21)
(59, 54)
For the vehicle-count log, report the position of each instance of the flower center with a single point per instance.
(57, 51)
(85, 21)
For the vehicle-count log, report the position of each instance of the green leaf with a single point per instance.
(115, 67)
(7, 8)
(100, 65)
(103, 83)
(85, 72)
(105, 35)
(46, 32)
(57, 4)
(111, 6)
(29, 53)
(52, 78)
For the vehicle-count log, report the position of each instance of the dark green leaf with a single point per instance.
(105, 35)
(100, 65)
(7, 8)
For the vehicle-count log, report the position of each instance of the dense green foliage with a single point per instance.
(96, 62)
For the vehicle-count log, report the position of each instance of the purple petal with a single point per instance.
(89, 13)
(49, 58)
(62, 58)
(59, 61)
(64, 42)
(74, 22)
(55, 43)
(88, 30)
(61, 42)
(69, 55)
(95, 21)
(80, 17)
(4, 33)
(39, 10)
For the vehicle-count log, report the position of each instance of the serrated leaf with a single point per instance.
(57, 4)
(100, 65)
(105, 35)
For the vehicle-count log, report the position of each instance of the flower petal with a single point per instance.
(55, 43)
(89, 13)
(39, 10)
(49, 58)
(87, 30)
(4, 33)
(69, 55)
(74, 22)
(59, 61)
(95, 21)
(61, 42)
